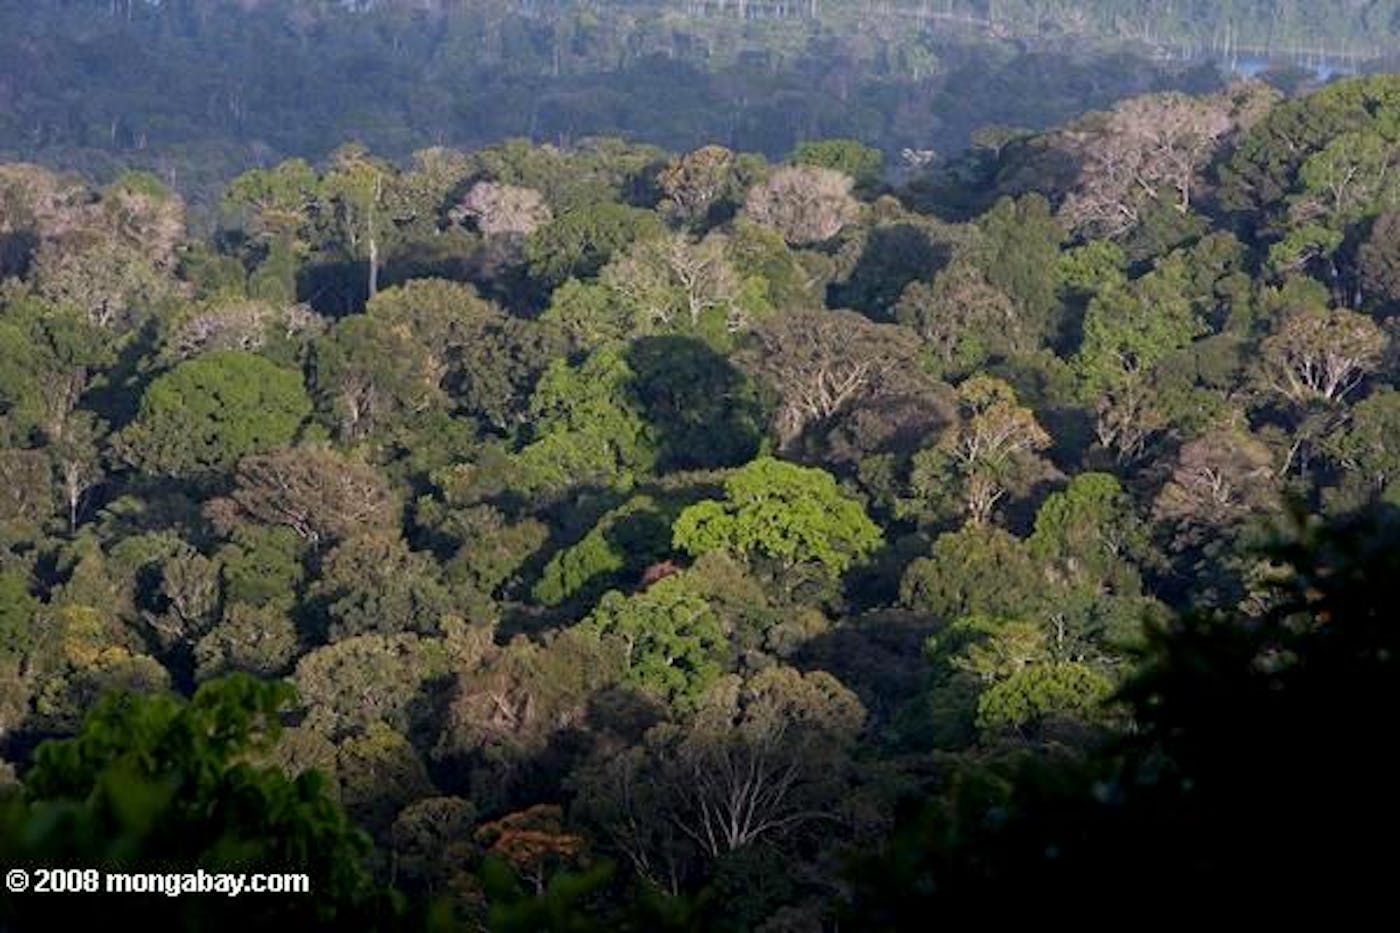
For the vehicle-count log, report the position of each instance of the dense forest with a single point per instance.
(591, 535)
(199, 90)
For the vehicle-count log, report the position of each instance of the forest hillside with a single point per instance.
(601, 536)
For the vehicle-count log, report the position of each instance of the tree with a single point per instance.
(322, 495)
(1236, 716)
(862, 163)
(980, 570)
(275, 203)
(485, 361)
(430, 841)
(1321, 354)
(806, 205)
(1352, 177)
(672, 642)
(154, 782)
(504, 210)
(698, 184)
(374, 583)
(17, 609)
(262, 565)
(534, 843)
(589, 314)
(1379, 260)
(206, 414)
(258, 641)
(670, 283)
(1218, 478)
(51, 355)
(963, 318)
(1028, 680)
(991, 450)
(579, 242)
(188, 598)
(37, 206)
(370, 374)
(821, 362)
(761, 759)
(623, 543)
(380, 773)
(357, 193)
(795, 517)
(1089, 534)
(1147, 148)
(77, 462)
(1127, 417)
(703, 411)
(112, 284)
(241, 324)
(510, 707)
(26, 503)
(492, 549)
(587, 425)
(366, 679)
(1019, 250)
(1130, 328)
(1368, 449)
(142, 212)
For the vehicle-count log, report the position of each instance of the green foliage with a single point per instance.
(1039, 692)
(1019, 255)
(258, 641)
(848, 156)
(703, 411)
(588, 314)
(624, 541)
(587, 424)
(578, 243)
(672, 640)
(262, 566)
(1089, 533)
(374, 583)
(159, 784)
(1128, 329)
(980, 570)
(1265, 168)
(206, 414)
(379, 774)
(1237, 716)
(366, 679)
(523, 551)
(793, 516)
(17, 610)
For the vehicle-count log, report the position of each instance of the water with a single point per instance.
(1251, 66)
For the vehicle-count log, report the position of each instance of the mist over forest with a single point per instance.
(733, 465)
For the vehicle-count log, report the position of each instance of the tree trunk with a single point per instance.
(373, 265)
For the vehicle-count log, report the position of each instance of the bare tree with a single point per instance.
(1145, 149)
(1218, 478)
(1321, 354)
(320, 494)
(504, 210)
(671, 279)
(761, 758)
(240, 325)
(805, 204)
(820, 362)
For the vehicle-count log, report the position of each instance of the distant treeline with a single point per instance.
(196, 90)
